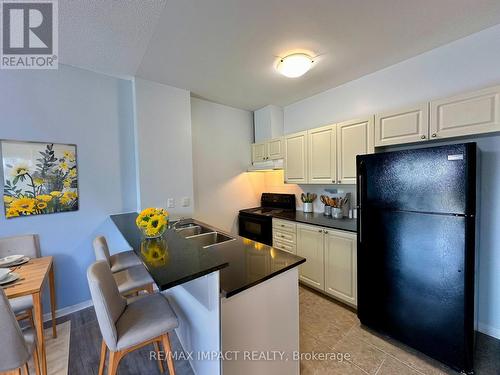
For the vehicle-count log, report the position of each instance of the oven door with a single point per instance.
(256, 227)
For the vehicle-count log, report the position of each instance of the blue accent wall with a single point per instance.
(95, 112)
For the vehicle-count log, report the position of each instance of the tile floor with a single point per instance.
(328, 326)
(325, 326)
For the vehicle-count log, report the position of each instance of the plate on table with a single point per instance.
(8, 260)
(4, 273)
(9, 279)
(20, 261)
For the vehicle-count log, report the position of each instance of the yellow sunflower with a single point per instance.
(44, 197)
(41, 205)
(23, 205)
(67, 183)
(38, 181)
(56, 193)
(12, 212)
(8, 199)
(63, 166)
(69, 155)
(72, 173)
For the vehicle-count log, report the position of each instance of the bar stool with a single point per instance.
(117, 262)
(130, 279)
(128, 327)
(17, 346)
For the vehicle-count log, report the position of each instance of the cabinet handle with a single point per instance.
(333, 181)
(326, 232)
(423, 136)
(320, 231)
(339, 181)
(434, 135)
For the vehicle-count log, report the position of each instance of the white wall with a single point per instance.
(221, 153)
(463, 65)
(71, 105)
(163, 146)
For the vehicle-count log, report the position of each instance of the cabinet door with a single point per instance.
(341, 266)
(295, 158)
(259, 152)
(322, 150)
(310, 246)
(405, 125)
(353, 138)
(275, 148)
(472, 113)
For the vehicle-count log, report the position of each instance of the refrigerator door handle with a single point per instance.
(360, 205)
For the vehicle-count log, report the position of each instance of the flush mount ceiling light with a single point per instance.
(294, 65)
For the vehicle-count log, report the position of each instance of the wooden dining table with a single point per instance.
(31, 282)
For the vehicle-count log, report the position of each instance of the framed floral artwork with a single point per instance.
(39, 178)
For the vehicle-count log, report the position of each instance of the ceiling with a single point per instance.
(225, 50)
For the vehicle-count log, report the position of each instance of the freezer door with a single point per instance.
(413, 282)
(437, 179)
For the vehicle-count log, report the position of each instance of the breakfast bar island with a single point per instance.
(236, 299)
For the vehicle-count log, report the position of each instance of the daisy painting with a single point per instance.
(39, 178)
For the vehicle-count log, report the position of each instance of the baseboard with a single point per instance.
(68, 310)
(488, 330)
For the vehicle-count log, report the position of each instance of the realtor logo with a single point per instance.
(29, 34)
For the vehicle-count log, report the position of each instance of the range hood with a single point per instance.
(262, 166)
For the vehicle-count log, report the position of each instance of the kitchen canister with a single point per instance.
(308, 207)
(337, 213)
(328, 210)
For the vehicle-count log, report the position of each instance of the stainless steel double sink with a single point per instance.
(202, 236)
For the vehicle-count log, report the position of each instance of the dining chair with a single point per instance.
(17, 346)
(130, 280)
(126, 327)
(117, 262)
(28, 245)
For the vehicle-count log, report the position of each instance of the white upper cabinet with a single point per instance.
(275, 148)
(322, 158)
(310, 246)
(296, 158)
(406, 125)
(341, 265)
(466, 114)
(353, 138)
(259, 152)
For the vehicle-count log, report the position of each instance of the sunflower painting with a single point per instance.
(39, 178)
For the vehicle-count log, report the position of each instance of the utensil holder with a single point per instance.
(328, 210)
(337, 213)
(308, 207)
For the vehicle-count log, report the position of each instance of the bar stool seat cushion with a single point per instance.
(145, 319)
(132, 279)
(123, 260)
(21, 304)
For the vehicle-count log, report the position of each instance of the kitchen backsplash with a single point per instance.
(274, 184)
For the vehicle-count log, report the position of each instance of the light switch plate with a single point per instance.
(185, 202)
(170, 203)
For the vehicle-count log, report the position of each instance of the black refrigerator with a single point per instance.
(416, 248)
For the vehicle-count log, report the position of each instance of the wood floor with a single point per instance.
(326, 326)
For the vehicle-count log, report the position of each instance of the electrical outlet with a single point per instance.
(170, 203)
(185, 202)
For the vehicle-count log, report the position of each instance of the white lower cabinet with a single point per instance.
(341, 265)
(331, 261)
(310, 245)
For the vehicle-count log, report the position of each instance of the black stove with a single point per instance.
(256, 223)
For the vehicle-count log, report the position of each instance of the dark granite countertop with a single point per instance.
(315, 218)
(172, 259)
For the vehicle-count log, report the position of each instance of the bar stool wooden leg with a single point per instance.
(158, 358)
(102, 362)
(168, 352)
